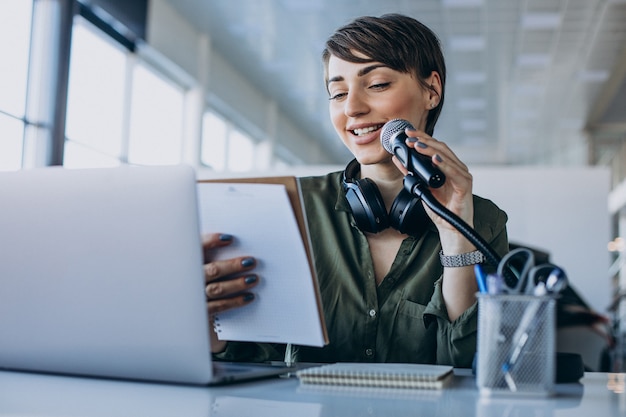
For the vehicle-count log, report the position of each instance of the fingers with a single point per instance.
(215, 240)
(229, 294)
(225, 292)
(228, 281)
(456, 193)
(220, 269)
(224, 304)
(212, 241)
(438, 151)
(442, 157)
(229, 287)
(399, 165)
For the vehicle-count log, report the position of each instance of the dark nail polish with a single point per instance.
(248, 297)
(250, 279)
(438, 158)
(422, 145)
(246, 262)
(411, 140)
(224, 237)
(411, 129)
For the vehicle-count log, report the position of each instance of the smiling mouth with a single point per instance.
(366, 130)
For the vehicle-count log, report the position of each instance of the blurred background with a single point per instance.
(530, 82)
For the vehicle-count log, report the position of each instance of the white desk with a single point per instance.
(599, 395)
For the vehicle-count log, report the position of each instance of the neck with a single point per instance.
(387, 177)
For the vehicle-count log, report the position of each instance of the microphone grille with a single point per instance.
(391, 129)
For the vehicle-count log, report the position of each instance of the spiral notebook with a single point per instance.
(378, 375)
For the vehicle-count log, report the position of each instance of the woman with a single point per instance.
(386, 295)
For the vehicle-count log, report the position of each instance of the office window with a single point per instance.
(119, 109)
(213, 148)
(96, 99)
(224, 147)
(240, 152)
(156, 124)
(15, 18)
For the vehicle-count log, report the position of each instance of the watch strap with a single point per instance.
(462, 259)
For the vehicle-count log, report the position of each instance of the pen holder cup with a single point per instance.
(516, 345)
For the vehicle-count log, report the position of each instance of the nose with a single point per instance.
(355, 104)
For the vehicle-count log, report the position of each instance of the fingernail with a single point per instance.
(438, 158)
(246, 262)
(422, 145)
(411, 140)
(250, 279)
(411, 129)
(224, 237)
(248, 297)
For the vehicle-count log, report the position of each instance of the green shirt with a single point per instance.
(403, 319)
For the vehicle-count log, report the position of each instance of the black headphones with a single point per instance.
(407, 215)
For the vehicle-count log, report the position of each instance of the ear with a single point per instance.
(433, 93)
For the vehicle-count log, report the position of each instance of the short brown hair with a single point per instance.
(400, 42)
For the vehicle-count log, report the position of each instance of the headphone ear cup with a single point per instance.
(367, 205)
(407, 214)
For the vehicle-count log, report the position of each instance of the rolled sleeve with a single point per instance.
(456, 340)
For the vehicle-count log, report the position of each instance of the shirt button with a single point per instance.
(369, 352)
(372, 313)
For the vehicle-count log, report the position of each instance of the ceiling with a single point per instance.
(525, 78)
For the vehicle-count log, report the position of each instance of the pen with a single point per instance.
(495, 284)
(481, 279)
(522, 334)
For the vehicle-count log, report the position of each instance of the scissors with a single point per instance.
(523, 277)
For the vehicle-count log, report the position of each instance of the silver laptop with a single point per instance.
(101, 275)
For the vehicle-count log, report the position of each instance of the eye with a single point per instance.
(337, 96)
(379, 86)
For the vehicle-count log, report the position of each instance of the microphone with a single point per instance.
(392, 137)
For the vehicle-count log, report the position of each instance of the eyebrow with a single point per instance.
(362, 72)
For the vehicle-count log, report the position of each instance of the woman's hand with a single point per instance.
(456, 193)
(459, 286)
(228, 282)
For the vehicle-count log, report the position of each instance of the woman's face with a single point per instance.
(364, 96)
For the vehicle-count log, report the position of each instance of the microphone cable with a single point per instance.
(418, 188)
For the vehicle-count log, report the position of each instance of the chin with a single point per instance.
(369, 158)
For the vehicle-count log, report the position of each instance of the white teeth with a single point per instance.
(365, 130)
